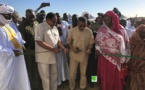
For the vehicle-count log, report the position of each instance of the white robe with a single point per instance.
(129, 29)
(62, 58)
(13, 74)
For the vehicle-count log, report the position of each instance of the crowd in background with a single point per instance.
(59, 50)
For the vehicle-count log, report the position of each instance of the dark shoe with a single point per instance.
(66, 82)
(91, 85)
(62, 86)
(71, 89)
(83, 89)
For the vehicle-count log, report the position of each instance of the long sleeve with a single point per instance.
(4, 50)
(69, 38)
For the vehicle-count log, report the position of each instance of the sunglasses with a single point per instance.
(82, 26)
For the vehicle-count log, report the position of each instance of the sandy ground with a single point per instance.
(65, 86)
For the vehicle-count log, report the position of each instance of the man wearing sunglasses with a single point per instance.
(80, 41)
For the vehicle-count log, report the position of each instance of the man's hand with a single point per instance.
(89, 51)
(43, 4)
(55, 50)
(97, 52)
(23, 47)
(17, 53)
(69, 27)
(75, 49)
(65, 50)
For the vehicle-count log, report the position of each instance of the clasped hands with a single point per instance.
(57, 50)
(76, 50)
(17, 53)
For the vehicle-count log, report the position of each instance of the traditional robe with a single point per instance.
(62, 58)
(108, 41)
(13, 74)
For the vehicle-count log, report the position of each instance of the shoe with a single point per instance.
(91, 85)
(83, 89)
(73, 89)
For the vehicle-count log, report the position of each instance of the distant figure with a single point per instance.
(86, 14)
(123, 22)
(58, 24)
(138, 23)
(130, 27)
(62, 59)
(27, 29)
(74, 20)
(40, 16)
(69, 19)
(92, 62)
(98, 22)
(15, 18)
(117, 12)
(143, 21)
(43, 12)
(88, 24)
(65, 17)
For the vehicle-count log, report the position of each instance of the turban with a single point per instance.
(84, 13)
(5, 9)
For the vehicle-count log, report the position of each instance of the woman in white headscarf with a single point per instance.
(13, 74)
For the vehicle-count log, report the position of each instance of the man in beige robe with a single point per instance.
(47, 41)
(80, 40)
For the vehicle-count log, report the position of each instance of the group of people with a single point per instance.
(38, 54)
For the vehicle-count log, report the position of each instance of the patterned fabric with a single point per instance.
(137, 65)
(110, 42)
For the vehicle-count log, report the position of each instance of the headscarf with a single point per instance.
(137, 50)
(140, 28)
(137, 44)
(84, 13)
(115, 21)
(5, 9)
